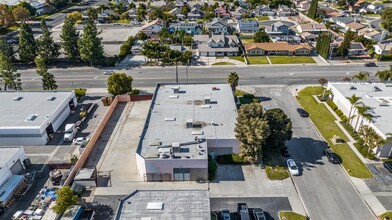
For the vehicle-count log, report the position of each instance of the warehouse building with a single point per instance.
(185, 124)
(32, 118)
(12, 165)
(377, 96)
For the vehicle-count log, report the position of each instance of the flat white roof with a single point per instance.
(379, 100)
(6, 153)
(217, 121)
(17, 106)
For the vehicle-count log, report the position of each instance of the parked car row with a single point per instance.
(244, 213)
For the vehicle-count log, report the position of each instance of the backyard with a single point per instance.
(325, 123)
(290, 59)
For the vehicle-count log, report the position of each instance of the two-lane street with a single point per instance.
(250, 75)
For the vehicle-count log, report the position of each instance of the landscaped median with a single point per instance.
(325, 123)
(291, 216)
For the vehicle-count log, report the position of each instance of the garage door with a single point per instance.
(17, 168)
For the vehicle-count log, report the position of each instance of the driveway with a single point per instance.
(324, 187)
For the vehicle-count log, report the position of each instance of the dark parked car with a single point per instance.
(331, 156)
(302, 112)
(370, 64)
(259, 214)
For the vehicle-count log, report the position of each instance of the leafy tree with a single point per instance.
(370, 138)
(345, 45)
(6, 17)
(251, 130)
(48, 79)
(69, 40)
(142, 36)
(92, 13)
(75, 16)
(154, 50)
(27, 44)
(119, 84)
(351, 3)
(20, 13)
(6, 49)
(46, 46)
(91, 49)
(232, 80)
(323, 44)
(11, 79)
(65, 199)
(323, 81)
(186, 56)
(125, 49)
(261, 36)
(277, 3)
(280, 126)
(29, 7)
(385, 75)
(312, 13)
(361, 76)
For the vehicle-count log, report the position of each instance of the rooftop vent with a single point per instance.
(197, 132)
(207, 100)
(17, 98)
(376, 89)
(352, 88)
(31, 117)
(51, 98)
(155, 143)
(205, 106)
(215, 88)
(383, 104)
(173, 97)
(155, 206)
(176, 89)
(189, 123)
(170, 118)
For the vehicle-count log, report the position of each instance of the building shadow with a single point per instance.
(229, 173)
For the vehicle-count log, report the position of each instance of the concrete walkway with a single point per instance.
(227, 59)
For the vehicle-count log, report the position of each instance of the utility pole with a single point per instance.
(187, 64)
(176, 72)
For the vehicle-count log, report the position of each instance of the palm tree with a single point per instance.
(233, 79)
(361, 76)
(370, 138)
(385, 75)
(361, 111)
(354, 101)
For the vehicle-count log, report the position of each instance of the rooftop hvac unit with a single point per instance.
(205, 106)
(31, 117)
(170, 118)
(17, 98)
(352, 88)
(383, 104)
(173, 97)
(189, 123)
(176, 89)
(207, 100)
(51, 98)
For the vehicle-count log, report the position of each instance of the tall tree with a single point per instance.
(48, 79)
(11, 78)
(6, 17)
(354, 101)
(280, 126)
(47, 48)
(370, 138)
(361, 112)
(261, 36)
(232, 80)
(323, 44)
(29, 7)
(251, 130)
(361, 76)
(27, 45)
(386, 18)
(312, 13)
(69, 40)
(119, 84)
(385, 75)
(20, 13)
(65, 199)
(345, 45)
(6, 49)
(351, 3)
(75, 16)
(91, 49)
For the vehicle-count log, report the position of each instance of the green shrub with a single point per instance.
(339, 112)
(80, 92)
(332, 105)
(134, 92)
(230, 159)
(248, 96)
(212, 167)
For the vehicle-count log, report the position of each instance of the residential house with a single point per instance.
(175, 11)
(303, 6)
(354, 26)
(137, 47)
(152, 27)
(278, 28)
(332, 13)
(314, 28)
(195, 5)
(217, 45)
(383, 47)
(237, 14)
(105, 15)
(191, 28)
(357, 49)
(376, 8)
(309, 37)
(222, 13)
(180, 3)
(284, 11)
(360, 4)
(218, 26)
(132, 13)
(280, 48)
(247, 26)
(195, 14)
(180, 17)
(343, 21)
(264, 10)
(371, 34)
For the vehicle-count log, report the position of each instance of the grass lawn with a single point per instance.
(257, 60)
(274, 165)
(239, 58)
(262, 18)
(325, 122)
(290, 59)
(40, 17)
(247, 40)
(230, 159)
(291, 216)
(222, 63)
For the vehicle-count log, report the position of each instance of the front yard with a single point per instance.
(290, 59)
(257, 60)
(325, 123)
(274, 165)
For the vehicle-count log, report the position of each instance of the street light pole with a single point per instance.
(187, 64)
(176, 72)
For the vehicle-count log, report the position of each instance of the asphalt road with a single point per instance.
(324, 187)
(250, 75)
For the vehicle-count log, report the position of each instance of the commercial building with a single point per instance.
(185, 124)
(165, 204)
(31, 118)
(377, 96)
(12, 164)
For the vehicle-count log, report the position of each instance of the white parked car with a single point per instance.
(109, 72)
(292, 167)
(81, 140)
